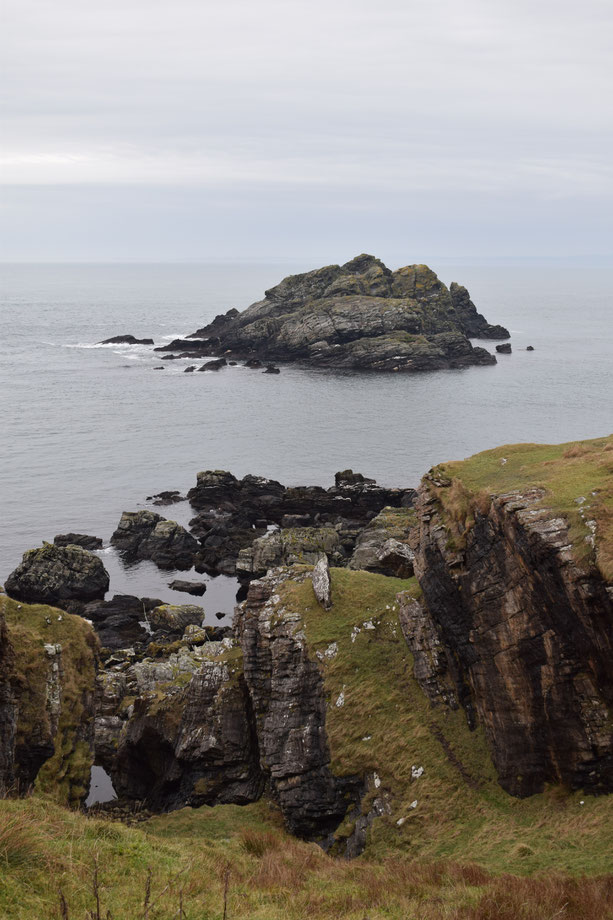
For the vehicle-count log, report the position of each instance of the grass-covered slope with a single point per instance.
(386, 726)
(577, 478)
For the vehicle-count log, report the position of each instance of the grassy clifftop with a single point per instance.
(577, 478)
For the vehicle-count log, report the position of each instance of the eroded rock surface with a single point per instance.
(287, 695)
(58, 575)
(524, 632)
(358, 315)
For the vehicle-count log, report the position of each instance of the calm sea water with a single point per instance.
(88, 432)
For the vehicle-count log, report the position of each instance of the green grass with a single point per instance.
(382, 700)
(567, 472)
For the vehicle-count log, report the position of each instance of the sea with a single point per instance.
(89, 431)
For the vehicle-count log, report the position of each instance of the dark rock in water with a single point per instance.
(221, 320)
(232, 363)
(233, 513)
(188, 587)
(170, 497)
(126, 340)
(57, 575)
(190, 369)
(147, 535)
(78, 539)
(471, 323)
(214, 365)
(530, 348)
(170, 357)
(183, 345)
(359, 315)
(159, 368)
(119, 621)
(271, 369)
(220, 615)
(504, 349)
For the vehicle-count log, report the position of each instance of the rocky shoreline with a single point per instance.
(499, 595)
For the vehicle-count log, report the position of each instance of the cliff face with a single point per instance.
(358, 315)
(47, 670)
(518, 618)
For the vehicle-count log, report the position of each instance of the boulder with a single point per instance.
(190, 369)
(78, 539)
(185, 345)
(147, 535)
(121, 622)
(58, 574)
(171, 619)
(215, 365)
(170, 497)
(286, 547)
(188, 587)
(271, 369)
(504, 349)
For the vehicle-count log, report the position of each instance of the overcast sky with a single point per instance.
(192, 129)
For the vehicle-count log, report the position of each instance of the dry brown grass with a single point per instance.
(541, 898)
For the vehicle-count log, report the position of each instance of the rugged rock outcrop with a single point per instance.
(288, 699)
(358, 315)
(322, 585)
(58, 575)
(47, 671)
(147, 535)
(179, 731)
(517, 629)
(233, 513)
(383, 544)
(287, 547)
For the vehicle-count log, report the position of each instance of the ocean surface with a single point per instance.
(89, 431)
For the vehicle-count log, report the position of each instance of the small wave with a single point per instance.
(106, 551)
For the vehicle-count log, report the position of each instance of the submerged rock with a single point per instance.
(57, 575)
(126, 340)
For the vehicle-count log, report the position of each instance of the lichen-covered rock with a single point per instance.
(58, 574)
(286, 547)
(173, 618)
(179, 731)
(517, 619)
(359, 315)
(471, 323)
(287, 695)
(147, 535)
(383, 544)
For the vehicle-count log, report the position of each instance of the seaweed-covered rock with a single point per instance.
(57, 575)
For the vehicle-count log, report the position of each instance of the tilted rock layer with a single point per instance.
(358, 315)
(518, 618)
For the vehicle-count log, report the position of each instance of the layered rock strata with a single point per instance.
(520, 633)
(358, 315)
